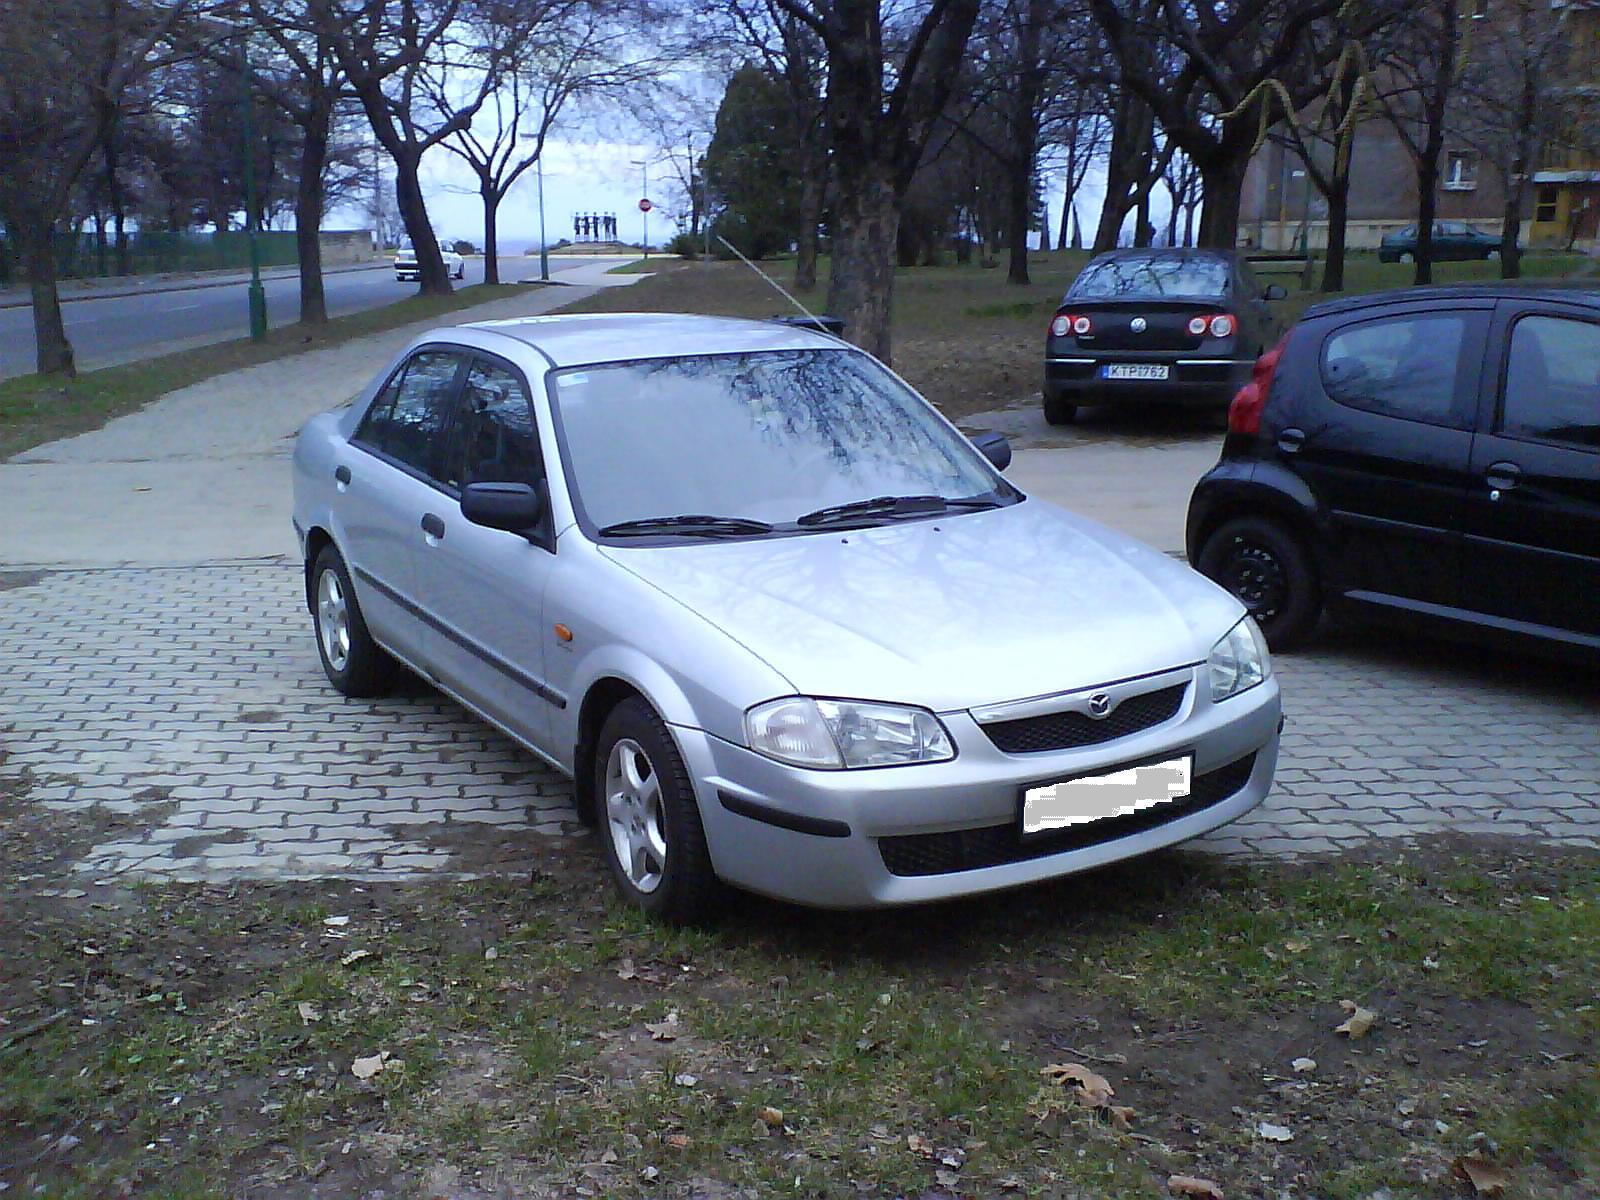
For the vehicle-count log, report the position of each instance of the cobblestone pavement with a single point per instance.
(191, 700)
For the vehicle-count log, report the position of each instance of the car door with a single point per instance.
(484, 588)
(386, 483)
(1382, 431)
(1533, 509)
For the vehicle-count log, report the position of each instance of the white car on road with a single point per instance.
(407, 271)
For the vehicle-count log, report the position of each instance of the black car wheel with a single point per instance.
(354, 663)
(1269, 570)
(649, 820)
(1059, 412)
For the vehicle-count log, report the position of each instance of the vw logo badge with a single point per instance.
(1099, 706)
(1138, 324)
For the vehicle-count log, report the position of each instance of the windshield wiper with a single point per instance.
(893, 506)
(687, 524)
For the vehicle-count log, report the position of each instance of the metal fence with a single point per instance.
(85, 256)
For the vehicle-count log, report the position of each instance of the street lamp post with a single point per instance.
(544, 245)
(258, 295)
(644, 212)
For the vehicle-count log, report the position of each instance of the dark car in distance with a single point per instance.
(1156, 325)
(1429, 455)
(1453, 241)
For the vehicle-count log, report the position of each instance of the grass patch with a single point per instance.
(811, 1053)
(36, 409)
(645, 266)
(964, 336)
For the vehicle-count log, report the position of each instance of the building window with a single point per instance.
(1545, 207)
(1461, 171)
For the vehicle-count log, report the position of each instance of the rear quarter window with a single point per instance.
(1406, 366)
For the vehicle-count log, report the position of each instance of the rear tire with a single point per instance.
(1269, 570)
(1059, 412)
(649, 819)
(354, 663)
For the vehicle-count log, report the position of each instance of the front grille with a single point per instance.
(996, 845)
(1061, 731)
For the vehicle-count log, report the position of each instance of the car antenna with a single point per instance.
(773, 283)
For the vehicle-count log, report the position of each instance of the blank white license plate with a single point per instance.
(1136, 371)
(1095, 797)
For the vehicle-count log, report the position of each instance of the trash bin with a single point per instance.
(823, 324)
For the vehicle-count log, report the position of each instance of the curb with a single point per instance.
(191, 287)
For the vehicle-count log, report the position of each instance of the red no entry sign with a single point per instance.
(645, 206)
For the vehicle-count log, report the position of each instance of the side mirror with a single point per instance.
(514, 507)
(994, 447)
(1275, 291)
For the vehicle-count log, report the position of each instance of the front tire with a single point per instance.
(649, 820)
(354, 663)
(1269, 570)
(1058, 411)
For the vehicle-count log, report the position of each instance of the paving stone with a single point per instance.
(123, 689)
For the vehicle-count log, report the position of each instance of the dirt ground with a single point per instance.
(189, 1040)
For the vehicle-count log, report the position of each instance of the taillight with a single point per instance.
(1197, 326)
(1244, 412)
(1065, 323)
(1221, 326)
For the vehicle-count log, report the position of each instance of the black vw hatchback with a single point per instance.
(1429, 455)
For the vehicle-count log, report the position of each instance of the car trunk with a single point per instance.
(1165, 328)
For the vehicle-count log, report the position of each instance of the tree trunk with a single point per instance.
(1338, 227)
(1516, 182)
(1427, 203)
(1066, 207)
(1019, 211)
(1172, 223)
(1188, 224)
(53, 352)
(435, 280)
(1132, 131)
(491, 234)
(1143, 232)
(1025, 137)
(1222, 185)
(861, 286)
(808, 217)
(308, 202)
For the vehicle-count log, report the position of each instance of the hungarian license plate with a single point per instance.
(1150, 371)
(1121, 793)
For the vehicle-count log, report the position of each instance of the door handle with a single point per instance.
(1502, 477)
(342, 475)
(432, 525)
(1290, 440)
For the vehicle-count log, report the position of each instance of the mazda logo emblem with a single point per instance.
(1138, 324)
(1100, 706)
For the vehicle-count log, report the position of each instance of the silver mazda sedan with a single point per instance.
(784, 626)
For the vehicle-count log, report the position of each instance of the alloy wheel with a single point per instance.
(333, 620)
(1254, 574)
(634, 815)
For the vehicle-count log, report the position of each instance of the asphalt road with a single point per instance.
(107, 331)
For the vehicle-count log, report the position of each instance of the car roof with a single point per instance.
(582, 339)
(1585, 293)
(1168, 252)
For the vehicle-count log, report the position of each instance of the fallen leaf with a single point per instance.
(1122, 1117)
(664, 1031)
(1358, 1021)
(491, 954)
(1486, 1178)
(678, 1141)
(355, 956)
(771, 1117)
(686, 1080)
(308, 1012)
(951, 1157)
(1302, 1065)
(946, 1178)
(626, 971)
(1188, 1185)
(1088, 1088)
(918, 1144)
(366, 1068)
(1275, 1133)
(1296, 946)
(336, 922)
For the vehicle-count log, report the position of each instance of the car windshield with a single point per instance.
(1153, 275)
(762, 437)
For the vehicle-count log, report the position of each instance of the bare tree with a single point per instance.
(1075, 131)
(65, 68)
(888, 83)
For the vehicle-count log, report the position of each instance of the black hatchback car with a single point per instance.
(1162, 325)
(1431, 455)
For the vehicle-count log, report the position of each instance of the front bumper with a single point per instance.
(1192, 379)
(903, 835)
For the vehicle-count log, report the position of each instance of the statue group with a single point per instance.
(594, 227)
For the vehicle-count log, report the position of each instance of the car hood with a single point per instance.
(948, 613)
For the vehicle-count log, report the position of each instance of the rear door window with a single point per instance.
(1406, 366)
(1552, 387)
(410, 420)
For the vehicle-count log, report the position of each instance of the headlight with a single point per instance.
(836, 734)
(1239, 661)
